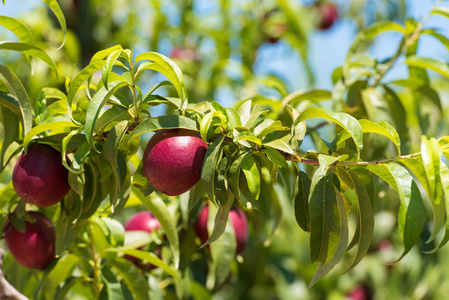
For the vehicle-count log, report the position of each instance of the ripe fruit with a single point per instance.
(34, 248)
(328, 12)
(173, 159)
(143, 221)
(274, 26)
(239, 223)
(39, 176)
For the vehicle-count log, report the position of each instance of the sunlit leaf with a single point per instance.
(18, 28)
(211, 159)
(56, 9)
(382, 128)
(428, 63)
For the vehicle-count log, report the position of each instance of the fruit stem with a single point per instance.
(95, 262)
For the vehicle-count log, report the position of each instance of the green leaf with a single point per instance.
(324, 216)
(275, 157)
(49, 124)
(234, 174)
(57, 275)
(211, 159)
(100, 55)
(168, 68)
(11, 132)
(428, 63)
(133, 278)
(301, 200)
(110, 150)
(161, 212)
(268, 126)
(141, 182)
(245, 112)
(252, 175)
(442, 11)
(199, 291)
(279, 145)
(30, 50)
(382, 128)
(340, 251)
(220, 220)
(56, 9)
(163, 122)
(366, 35)
(19, 92)
(247, 136)
(18, 28)
(347, 122)
(79, 79)
(94, 108)
(110, 61)
(222, 252)
(365, 219)
(314, 95)
(233, 117)
(149, 257)
(384, 173)
(207, 121)
(66, 233)
(431, 154)
(411, 209)
(112, 229)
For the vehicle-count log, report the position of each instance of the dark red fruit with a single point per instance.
(328, 11)
(173, 159)
(143, 221)
(39, 176)
(238, 221)
(274, 26)
(34, 248)
(360, 292)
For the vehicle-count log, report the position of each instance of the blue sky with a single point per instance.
(327, 49)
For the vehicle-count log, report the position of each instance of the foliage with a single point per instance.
(266, 154)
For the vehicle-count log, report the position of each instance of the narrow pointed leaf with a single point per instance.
(382, 128)
(56, 9)
(213, 155)
(18, 28)
(301, 201)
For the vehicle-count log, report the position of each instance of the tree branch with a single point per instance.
(7, 291)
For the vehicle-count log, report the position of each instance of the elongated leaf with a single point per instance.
(275, 157)
(30, 50)
(110, 61)
(431, 154)
(79, 79)
(168, 68)
(161, 212)
(163, 122)
(233, 117)
(324, 269)
(220, 220)
(213, 155)
(63, 269)
(365, 219)
(18, 28)
(411, 210)
(444, 171)
(301, 200)
(428, 63)
(268, 126)
(382, 128)
(314, 95)
(100, 55)
(52, 123)
(245, 112)
(324, 215)
(252, 175)
(133, 277)
(11, 132)
(19, 92)
(222, 252)
(234, 174)
(367, 34)
(347, 122)
(56, 9)
(149, 257)
(442, 11)
(93, 110)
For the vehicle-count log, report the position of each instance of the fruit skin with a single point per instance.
(173, 159)
(238, 221)
(39, 176)
(329, 14)
(144, 221)
(34, 248)
(273, 26)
